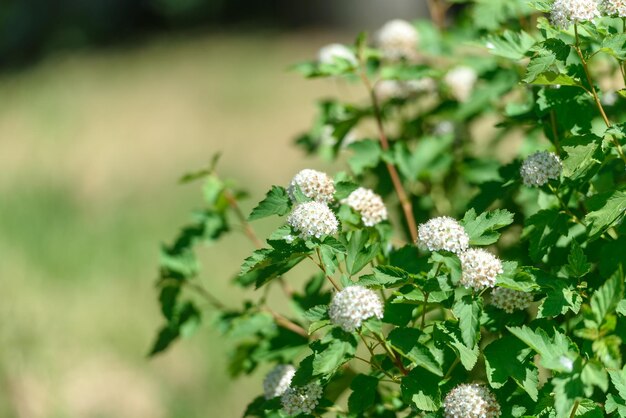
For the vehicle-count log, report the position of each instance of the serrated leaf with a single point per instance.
(605, 210)
(509, 358)
(468, 310)
(577, 265)
(550, 78)
(276, 202)
(583, 154)
(367, 154)
(405, 341)
(421, 389)
(552, 350)
(544, 229)
(451, 337)
(482, 229)
(329, 356)
(363, 393)
(605, 299)
(512, 45)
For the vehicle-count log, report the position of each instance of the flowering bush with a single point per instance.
(499, 130)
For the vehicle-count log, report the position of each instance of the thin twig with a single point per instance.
(405, 202)
(574, 409)
(287, 323)
(321, 266)
(202, 291)
(594, 94)
(249, 231)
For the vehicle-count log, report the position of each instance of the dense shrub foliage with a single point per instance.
(470, 260)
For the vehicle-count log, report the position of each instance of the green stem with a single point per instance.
(594, 94)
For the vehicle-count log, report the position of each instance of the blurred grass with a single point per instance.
(91, 145)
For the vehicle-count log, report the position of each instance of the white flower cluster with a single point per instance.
(301, 400)
(353, 305)
(397, 39)
(330, 53)
(471, 401)
(461, 81)
(443, 233)
(403, 89)
(313, 219)
(510, 300)
(614, 7)
(278, 380)
(566, 12)
(369, 205)
(479, 269)
(314, 184)
(540, 167)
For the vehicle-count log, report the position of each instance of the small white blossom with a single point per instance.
(445, 127)
(443, 233)
(510, 300)
(369, 205)
(479, 269)
(540, 167)
(397, 39)
(289, 238)
(278, 380)
(314, 184)
(471, 401)
(313, 219)
(609, 98)
(301, 400)
(461, 81)
(567, 363)
(566, 12)
(353, 305)
(330, 53)
(614, 7)
(403, 89)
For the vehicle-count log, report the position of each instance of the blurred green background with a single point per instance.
(103, 105)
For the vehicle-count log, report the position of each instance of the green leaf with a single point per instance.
(509, 358)
(618, 378)
(621, 307)
(360, 251)
(552, 350)
(406, 342)
(605, 299)
(578, 265)
(605, 210)
(367, 154)
(583, 156)
(449, 335)
(330, 355)
(512, 45)
(560, 298)
(553, 54)
(550, 78)
(544, 229)
(421, 389)
(482, 229)
(363, 393)
(276, 202)
(468, 310)
(615, 45)
(316, 313)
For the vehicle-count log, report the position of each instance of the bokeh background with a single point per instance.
(103, 105)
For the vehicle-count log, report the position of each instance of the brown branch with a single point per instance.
(249, 231)
(286, 323)
(407, 206)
